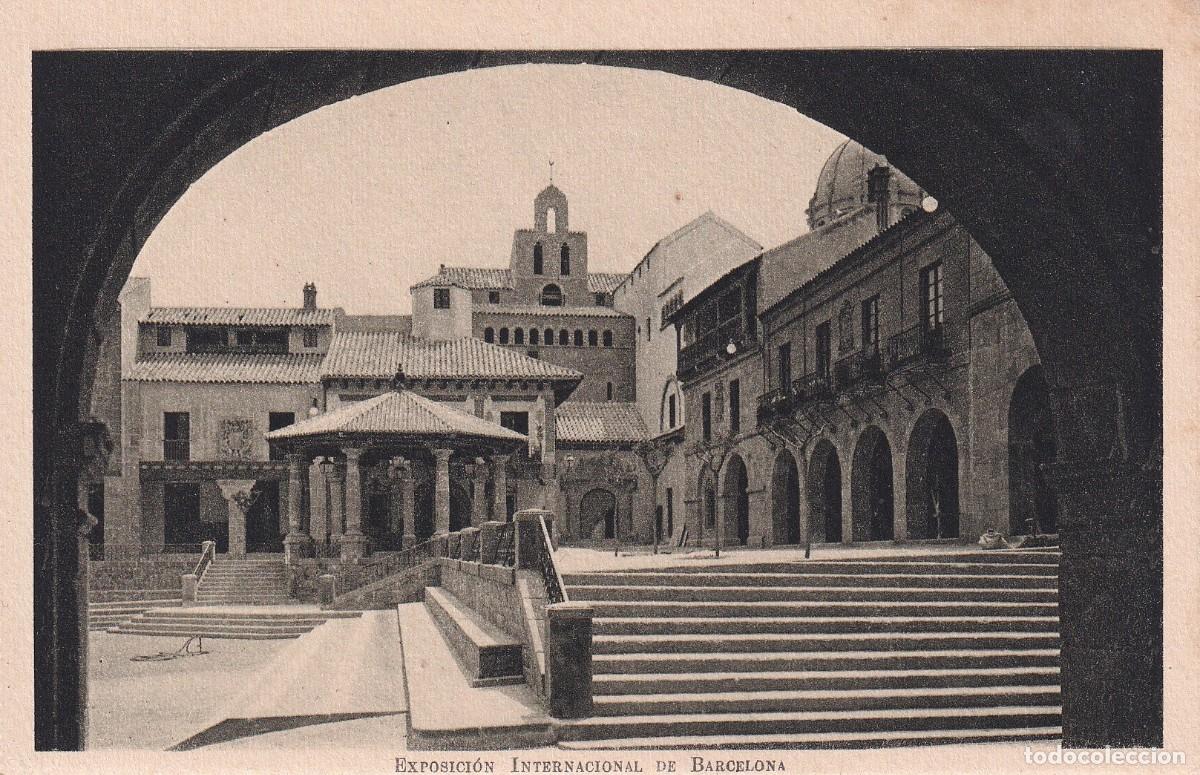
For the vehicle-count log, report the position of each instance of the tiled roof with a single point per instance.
(537, 309)
(480, 278)
(598, 422)
(227, 367)
(399, 323)
(794, 263)
(240, 316)
(605, 281)
(397, 412)
(470, 277)
(380, 354)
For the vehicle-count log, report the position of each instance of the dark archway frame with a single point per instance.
(871, 443)
(823, 458)
(919, 457)
(786, 492)
(1053, 161)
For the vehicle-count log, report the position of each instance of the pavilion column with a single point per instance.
(500, 487)
(408, 492)
(354, 543)
(441, 493)
(296, 540)
(318, 505)
(396, 497)
(549, 434)
(478, 493)
(337, 502)
(237, 499)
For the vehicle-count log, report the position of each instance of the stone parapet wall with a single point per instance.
(407, 586)
(143, 573)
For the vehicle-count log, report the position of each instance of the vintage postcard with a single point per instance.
(475, 390)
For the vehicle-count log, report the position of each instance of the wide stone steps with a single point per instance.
(810, 579)
(823, 642)
(719, 625)
(101, 616)
(627, 592)
(780, 701)
(243, 581)
(706, 662)
(810, 722)
(228, 624)
(850, 740)
(785, 680)
(757, 608)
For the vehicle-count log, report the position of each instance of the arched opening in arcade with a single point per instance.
(1032, 507)
(736, 491)
(785, 500)
(598, 514)
(824, 490)
(931, 478)
(872, 505)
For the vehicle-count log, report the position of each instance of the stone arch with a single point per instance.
(823, 486)
(564, 337)
(785, 500)
(503, 335)
(1031, 446)
(578, 338)
(931, 477)
(518, 335)
(872, 506)
(564, 260)
(735, 492)
(552, 296)
(598, 513)
(535, 336)
(538, 262)
(489, 335)
(548, 336)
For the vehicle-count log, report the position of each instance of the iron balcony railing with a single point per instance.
(775, 403)
(179, 450)
(817, 386)
(862, 366)
(917, 344)
(709, 349)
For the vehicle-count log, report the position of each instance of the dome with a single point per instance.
(842, 185)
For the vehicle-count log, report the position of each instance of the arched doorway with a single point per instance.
(824, 486)
(785, 499)
(871, 487)
(736, 491)
(931, 478)
(1031, 444)
(598, 514)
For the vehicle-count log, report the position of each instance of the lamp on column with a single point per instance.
(314, 410)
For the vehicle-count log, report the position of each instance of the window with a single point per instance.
(932, 302)
(493, 297)
(578, 338)
(601, 299)
(164, 336)
(564, 337)
(441, 298)
(548, 336)
(671, 411)
(503, 336)
(535, 336)
(176, 436)
(735, 406)
(537, 258)
(870, 324)
(518, 336)
(592, 339)
(552, 296)
(706, 416)
(647, 329)
(532, 354)
(275, 421)
(564, 260)
(784, 356)
(824, 349)
(608, 338)
(608, 392)
(489, 334)
(201, 340)
(244, 337)
(310, 337)
(515, 421)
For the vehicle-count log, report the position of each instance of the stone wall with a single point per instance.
(407, 586)
(144, 573)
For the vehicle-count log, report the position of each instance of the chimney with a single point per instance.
(310, 296)
(879, 191)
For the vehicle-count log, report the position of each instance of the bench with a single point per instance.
(488, 655)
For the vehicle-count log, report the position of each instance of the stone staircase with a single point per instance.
(908, 650)
(244, 580)
(121, 605)
(210, 622)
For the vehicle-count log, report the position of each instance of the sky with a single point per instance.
(368, 196)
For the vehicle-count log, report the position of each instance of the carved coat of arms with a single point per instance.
(236, 439)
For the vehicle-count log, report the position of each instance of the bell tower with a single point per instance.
(549, 261)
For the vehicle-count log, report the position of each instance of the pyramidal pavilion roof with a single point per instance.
(397, 413)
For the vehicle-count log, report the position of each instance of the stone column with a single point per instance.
(500, 487)
(237, 500)
(296, 540)
(337, 503)
(318, 504)
(441, 490)
(408, 492)
(478, 493)
(549, 434)
(354, 543)
(396, 496)
(569, 659)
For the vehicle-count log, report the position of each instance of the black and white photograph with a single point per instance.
(602, 409)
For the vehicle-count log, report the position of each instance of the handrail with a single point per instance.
(208, 553)
(556, 590)
(386, 565)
